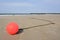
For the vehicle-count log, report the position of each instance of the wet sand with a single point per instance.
(45, 32)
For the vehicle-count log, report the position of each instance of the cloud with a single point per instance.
(16, 4)
(31, 6)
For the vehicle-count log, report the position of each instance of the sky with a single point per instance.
(29, 6)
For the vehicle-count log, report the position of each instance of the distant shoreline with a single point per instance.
(26, 13)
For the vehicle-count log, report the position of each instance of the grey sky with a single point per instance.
(29, 6)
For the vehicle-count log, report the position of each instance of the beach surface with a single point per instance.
(36, 27)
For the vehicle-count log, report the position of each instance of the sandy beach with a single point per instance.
(47, 27)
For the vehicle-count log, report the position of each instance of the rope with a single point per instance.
(50, 22)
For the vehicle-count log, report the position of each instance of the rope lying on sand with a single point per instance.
(50, 22)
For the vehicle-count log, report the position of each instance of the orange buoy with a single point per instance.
(12, 28)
